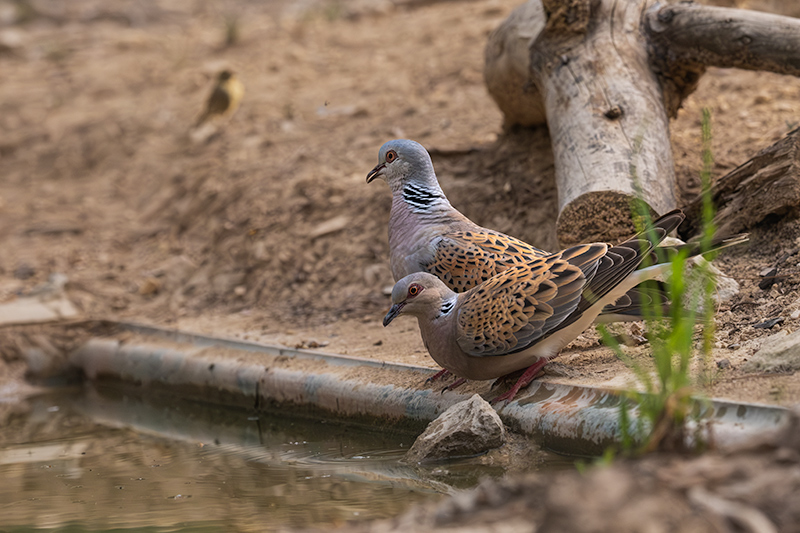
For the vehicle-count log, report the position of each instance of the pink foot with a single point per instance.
(523, 381)
(440, 374)
(454, 385)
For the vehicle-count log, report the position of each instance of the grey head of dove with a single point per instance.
(403, 162)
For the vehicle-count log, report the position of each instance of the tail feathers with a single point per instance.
(660, 228)
(652, 294)
(665, 254)
(201, 119)
(647, 295)
(641, 254)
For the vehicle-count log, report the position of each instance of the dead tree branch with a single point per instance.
(684, 39)
(606, 75)
(766, 185)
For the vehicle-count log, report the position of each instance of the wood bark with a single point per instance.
(766, 185)
(606, 76)
(585, 64)
(684, 39)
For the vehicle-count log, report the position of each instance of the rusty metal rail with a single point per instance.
(568, 419)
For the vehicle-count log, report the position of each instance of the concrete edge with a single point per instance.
(567, 419)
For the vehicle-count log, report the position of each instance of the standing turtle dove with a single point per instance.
(523, 316)
(427, 234)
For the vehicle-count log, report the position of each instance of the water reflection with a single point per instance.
(82, 460)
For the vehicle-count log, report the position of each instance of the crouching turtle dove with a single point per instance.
(523, 316)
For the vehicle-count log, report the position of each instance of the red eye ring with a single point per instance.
(391, 155)
(414, 289)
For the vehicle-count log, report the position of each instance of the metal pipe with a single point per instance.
(568, 419)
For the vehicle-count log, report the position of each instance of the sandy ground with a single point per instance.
(266, 229)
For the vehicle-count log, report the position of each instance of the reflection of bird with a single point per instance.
(426, 234)
(522, 317)
(224, 98)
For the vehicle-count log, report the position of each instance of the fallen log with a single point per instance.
(766, 185)
(606, 76)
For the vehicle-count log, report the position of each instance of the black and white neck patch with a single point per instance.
(420, 197)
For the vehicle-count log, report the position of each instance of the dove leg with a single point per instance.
(455, 384)
(440, 374)
(523, 381)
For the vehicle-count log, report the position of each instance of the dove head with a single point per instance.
(421, 295)
(401, 162)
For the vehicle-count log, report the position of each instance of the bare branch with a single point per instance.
(684, 39)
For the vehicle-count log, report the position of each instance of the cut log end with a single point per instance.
(605, 216)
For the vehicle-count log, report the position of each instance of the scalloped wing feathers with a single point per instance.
(527, 302)
(524, 303)
(465, 259)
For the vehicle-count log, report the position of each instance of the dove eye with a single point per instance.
(391, 155)
(414, 289)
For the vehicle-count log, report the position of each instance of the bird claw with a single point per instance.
(524, 380)
(505, 398)
(454, 385)
(440, 374)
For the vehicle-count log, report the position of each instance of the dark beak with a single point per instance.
(393, 312)
(375, 171)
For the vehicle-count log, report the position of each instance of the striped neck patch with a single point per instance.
(446, 307)
(420, 197)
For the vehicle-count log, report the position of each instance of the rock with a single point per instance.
(46, 306)
(778, 353)
(330, 226)
(769, 324)
(466, 429)
(342, 111)
(726, 287)
(149, 287)
(722, 364)
(53, 288)
(770, 275)
(224, 283)
(11, 40)
(24, 271)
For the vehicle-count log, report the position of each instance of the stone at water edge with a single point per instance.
(726, 287)
(778, 353)
(465, 429)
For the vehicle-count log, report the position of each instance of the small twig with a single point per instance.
(747, 517)
(786, 256)
(759, 375)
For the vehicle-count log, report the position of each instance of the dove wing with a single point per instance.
(218, 101)
(465, 259)
(516, 308)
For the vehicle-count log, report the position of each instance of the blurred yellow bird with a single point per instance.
(224, 98)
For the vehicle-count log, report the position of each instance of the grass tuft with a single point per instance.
(668, 414)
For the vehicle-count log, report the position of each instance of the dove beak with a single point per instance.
(393, 312)
(375, 172)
